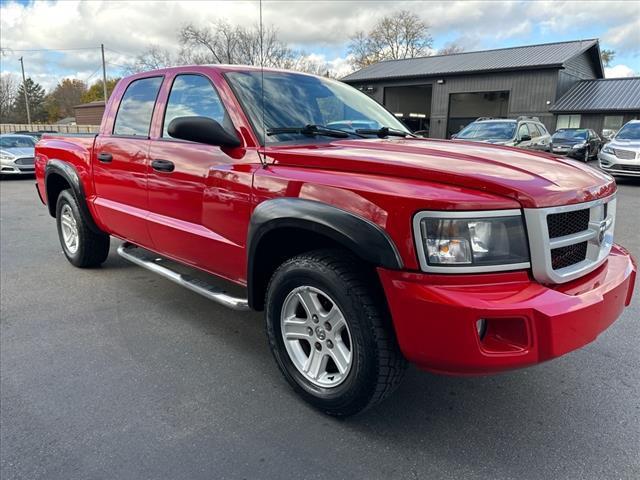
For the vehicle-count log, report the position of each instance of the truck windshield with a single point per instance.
(488, 131)
(631, 131)
(293, 101)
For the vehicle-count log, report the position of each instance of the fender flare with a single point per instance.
(358, 234)
(70, 174)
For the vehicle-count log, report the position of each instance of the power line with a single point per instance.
(89, 77)
(8, 49)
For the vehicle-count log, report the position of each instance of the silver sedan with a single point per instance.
(17, 154)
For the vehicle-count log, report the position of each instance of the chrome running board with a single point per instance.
(151, 261)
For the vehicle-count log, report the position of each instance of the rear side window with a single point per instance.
(136, 107)
(193, 95)
(542, 129)
(523, 130)
(533, 130)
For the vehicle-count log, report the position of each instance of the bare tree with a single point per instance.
(450, 49)
(153, 58)
(397, 36)
(8, 92)
(607, 56)
(233, 44)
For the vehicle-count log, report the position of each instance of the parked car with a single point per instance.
(579, 143)
(524, 132)
(16, 154)
(621, 156)
(36, 135)
(608, 134)
(364, 252)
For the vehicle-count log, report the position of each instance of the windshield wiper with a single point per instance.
(385, 132)
(312, 130)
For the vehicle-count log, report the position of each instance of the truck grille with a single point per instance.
(24, 161)
(566, 223)
(570, 255)
(569, 241)
(625, 154)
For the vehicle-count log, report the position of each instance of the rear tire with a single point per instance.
(82, 246)
(360, 361)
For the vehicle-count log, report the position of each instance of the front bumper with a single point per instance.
(11, 169)
(527, 323)
(577, 153)
(617, 166)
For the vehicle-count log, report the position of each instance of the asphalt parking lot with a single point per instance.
(116, 373)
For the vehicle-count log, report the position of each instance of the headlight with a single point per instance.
(608, 149)
(579, 145)
(6, 158)
(471, 241)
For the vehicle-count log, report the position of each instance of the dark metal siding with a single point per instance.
(529, 92)
(595, 121)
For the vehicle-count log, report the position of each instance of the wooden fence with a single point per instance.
(39, 127)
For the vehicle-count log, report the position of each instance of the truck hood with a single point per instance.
(533, 179)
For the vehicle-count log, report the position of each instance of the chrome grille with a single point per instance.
(625, 154)
(24, 161)
(627, 168)
(569, 241)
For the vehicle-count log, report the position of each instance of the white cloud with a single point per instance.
(323, 28)
(618, 71)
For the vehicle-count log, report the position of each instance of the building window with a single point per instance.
(612, 122)
(568, 121)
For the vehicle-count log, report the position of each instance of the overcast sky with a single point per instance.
(319, 27)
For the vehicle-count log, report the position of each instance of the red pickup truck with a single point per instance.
(366, 246)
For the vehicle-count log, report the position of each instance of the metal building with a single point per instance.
(443, 93)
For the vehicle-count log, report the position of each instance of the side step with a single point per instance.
(151, 261)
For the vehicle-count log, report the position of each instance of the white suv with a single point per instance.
(621, 156)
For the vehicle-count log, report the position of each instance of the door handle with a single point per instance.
(105, 157)
(163, 165)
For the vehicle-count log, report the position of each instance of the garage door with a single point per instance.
(464, 108)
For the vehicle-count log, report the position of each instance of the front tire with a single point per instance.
(330, 333)
(81, 245)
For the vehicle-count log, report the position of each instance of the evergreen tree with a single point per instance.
(35, 93)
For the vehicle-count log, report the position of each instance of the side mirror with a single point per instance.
(525, 138)
(202, 130)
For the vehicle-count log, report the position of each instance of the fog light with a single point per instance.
(481, 327)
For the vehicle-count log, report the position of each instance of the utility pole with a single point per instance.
(104, 75)
(26, 95)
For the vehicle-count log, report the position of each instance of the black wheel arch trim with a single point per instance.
(358, 234)
(69, 173)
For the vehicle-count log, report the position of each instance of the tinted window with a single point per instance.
(296, 100)
(193, 95)
(542, 129)
(574, 134)
(136, 107)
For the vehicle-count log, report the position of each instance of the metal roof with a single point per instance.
(622, 94)
(546, 55)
